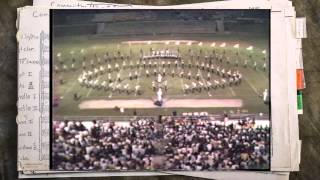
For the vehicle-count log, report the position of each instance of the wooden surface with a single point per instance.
(309, 122)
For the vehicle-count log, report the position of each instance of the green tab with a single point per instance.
(300, 102)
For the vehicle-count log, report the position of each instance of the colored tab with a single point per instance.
(300, 102)
(300, 79)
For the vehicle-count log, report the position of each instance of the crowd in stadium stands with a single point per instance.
(200, 144)
(171, 143)
(104, 146)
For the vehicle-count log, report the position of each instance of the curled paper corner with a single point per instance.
(301, 27)
(17, 119)
(18, 18)
(18, 36)
(17, 21)
(29, 172)
(19, 166)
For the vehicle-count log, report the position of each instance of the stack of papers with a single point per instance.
(204, 90)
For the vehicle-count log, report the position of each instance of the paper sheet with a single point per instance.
(33, 90)
(281, 159)
(292, 82)
(208, 175)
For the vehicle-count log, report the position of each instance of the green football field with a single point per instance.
(254, 80)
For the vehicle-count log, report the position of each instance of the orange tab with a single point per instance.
(300, 79)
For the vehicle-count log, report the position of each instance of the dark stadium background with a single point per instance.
(309, 122)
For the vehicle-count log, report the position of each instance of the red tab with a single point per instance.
(300, 79)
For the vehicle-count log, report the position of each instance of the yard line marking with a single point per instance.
(259, 74)
(89, 92)
(182, 86)
(138, 81)
(252, 86)
(181, 79)
(116, 80)
(71, 87)
(204, 82)
(232, 91)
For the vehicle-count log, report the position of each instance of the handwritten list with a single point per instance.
(33, 89)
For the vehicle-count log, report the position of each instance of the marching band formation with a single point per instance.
(198, 71)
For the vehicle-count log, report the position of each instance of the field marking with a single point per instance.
(148, 103)
(232, 91)
(116, 80)
(138, 80)
(252, 86)
(181, 80)
(182, 84)
(259, 74)
(204, 82)
(110, 95)
(71, 87)
(89, 92)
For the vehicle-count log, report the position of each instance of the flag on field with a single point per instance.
(213, 44)
(250, 48)
(236, 46)
(223, 45)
